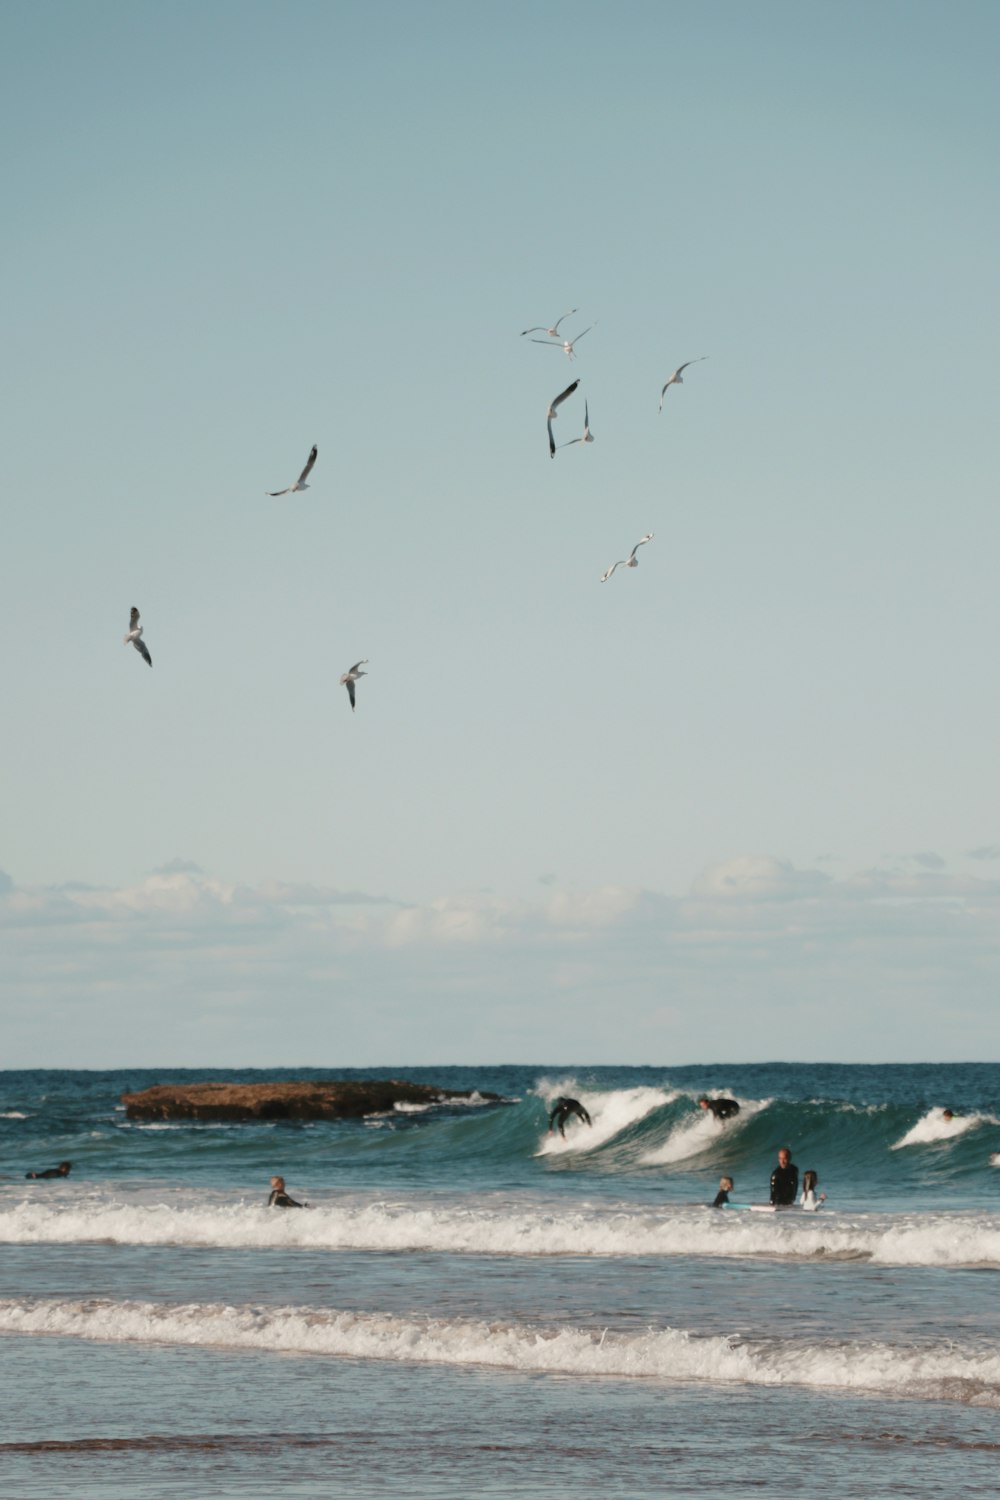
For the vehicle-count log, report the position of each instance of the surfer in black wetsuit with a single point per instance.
(722, 1109)
(62, 1170)
(784, 1180)
(563, 1110)
(279, 1198)
(722, 1196)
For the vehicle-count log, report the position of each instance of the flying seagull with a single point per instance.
(300, 483)
(675, 378)
(553, 412)
(350, 678)
(633, 561)
(552, 332)
(567, 345)
(135, 636)
(588, 436)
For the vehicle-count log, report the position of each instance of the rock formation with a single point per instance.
(316, 1100)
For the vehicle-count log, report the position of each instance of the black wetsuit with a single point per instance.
(49, 1172)
(723, 1109)
(784, 1184)
(563, 1110)
(721, 1198)
(279, 1199)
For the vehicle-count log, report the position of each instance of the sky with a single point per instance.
(737, 803)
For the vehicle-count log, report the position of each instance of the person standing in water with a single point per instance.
(722, 1196)
(563, 1110)
(784, 1180)
(809, 1199)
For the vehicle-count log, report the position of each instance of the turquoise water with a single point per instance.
(472, 1306)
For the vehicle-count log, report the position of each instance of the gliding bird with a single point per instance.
(351, 676)
(552, 332)
(553, 413)
(588, 436)
(675, 378)
(300, 483)
(633, 561)
(567, 345)
(135, 636)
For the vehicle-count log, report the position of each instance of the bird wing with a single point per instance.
(309, 465)
(133, 618)
(274, 493)
(619, 564)
(563, 395)
(350, 691)
(141, 647)
(570, 443)
(645, 539)
(580, 335)
(552, 441)
(563, 319)
(549, 342)
(362, 663)
(537, 329)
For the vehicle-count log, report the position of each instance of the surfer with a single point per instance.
(722, 1109)
(722, 1196)
(279, 1198)
(784, 1180)
(809, 1200)
(62, 1170)
(563, 1110)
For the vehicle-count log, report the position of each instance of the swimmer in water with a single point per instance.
(563, 1110)
(722, 1196)
(62, 1170)
(809, 1200)
(279, 1198)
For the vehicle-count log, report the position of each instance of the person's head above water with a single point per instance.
(278, 1184)
(784, 1156)
(947, 1114)
(703, 1102)
(64, 1168)
(726, 1184)
(809, 1181)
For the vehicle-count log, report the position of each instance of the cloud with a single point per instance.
(985, 851)
(760, 959)
(928, 860)
(178, 867)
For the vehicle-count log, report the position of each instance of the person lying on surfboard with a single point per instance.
(62, 1170)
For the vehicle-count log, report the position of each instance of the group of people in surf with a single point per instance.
(784, 1178)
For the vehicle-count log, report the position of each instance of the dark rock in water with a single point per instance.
(318, 1100)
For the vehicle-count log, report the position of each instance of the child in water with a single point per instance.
(722, 1196)
(809, 1200)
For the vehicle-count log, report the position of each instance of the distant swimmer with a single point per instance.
(784, 1180)
(722, 1109)
(947, 1114)
(722, 1196)
(62, 1170)
(279, 1198)
(564, 1109)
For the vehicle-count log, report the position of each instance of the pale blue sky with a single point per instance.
(237, 229)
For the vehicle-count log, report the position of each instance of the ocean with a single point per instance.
(471, 1306)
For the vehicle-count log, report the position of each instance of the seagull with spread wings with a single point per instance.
(675, 378)
(552, 332)
(588, 436)
(567, 345)
(351, 676)
(135, 637)
(631, 562)
(553, 412)
(300, 483)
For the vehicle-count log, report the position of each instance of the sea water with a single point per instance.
(472, 1306)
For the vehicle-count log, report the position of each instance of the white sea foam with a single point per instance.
(504, 1228)
(12, 1114)
(701, 1132)
(611, 1113)
(934, 1127)
(929, 1371)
